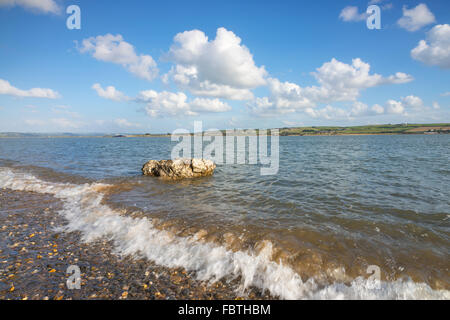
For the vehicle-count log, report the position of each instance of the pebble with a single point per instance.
(38, 269)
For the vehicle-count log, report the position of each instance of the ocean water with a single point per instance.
(338, 208)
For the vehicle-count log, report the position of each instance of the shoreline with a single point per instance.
(237, 135)
(381, 129)
(34, 258)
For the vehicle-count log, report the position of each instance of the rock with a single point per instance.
(179, 168)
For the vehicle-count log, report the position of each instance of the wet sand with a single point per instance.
(34, 257)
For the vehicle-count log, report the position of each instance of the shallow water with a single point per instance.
(337, 205)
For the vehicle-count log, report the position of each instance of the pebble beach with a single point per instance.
(35, 255)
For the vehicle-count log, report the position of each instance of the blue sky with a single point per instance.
(154, 66)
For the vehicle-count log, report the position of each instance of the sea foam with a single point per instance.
(84, 211)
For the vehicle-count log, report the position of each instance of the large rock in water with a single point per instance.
(179, 168)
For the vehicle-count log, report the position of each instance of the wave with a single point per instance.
(85, 212)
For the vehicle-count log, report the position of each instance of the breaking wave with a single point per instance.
(85, 212)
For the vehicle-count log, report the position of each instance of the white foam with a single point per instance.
(84, 211)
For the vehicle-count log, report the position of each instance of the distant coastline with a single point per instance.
(383, 129)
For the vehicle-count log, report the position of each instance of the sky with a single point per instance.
(156, 66)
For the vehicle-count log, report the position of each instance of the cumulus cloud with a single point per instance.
(351, 14)
(377, 109)
(186, 78)
(435, 51)
(160, 104)
(343, 82)
(338, 82)
(416, 18)
(446, 94)
(42, 6)
(405, 106)
(109, 92)
(358, 109)
(409, 103)
(209, 105)
(7, 88)
(394, 107)
(266, 107)
(165, 103)
(112, 48)
(413, 102)
(362, 109)
(222, 67)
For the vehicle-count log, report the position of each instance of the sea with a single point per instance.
(344, 217)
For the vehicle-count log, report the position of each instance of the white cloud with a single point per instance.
(289, 95)
(416, 18)
(407, 104)
(110, 48)
(160, 104)
(165, 103)
(7, 88)
(377, 109)
(434, 51)
(338, 82)
(394, 107)
(446, 94)
(124, 123)
(266, 107)
(187, 78)
(110, 92)
(361, 109)
(43, 6)
(351, 14)
(343, 82)
(207, 89)
(209, 105)
(413, 102)
(222, 67)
